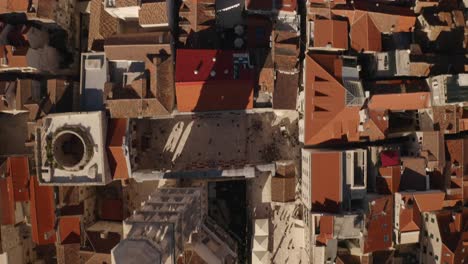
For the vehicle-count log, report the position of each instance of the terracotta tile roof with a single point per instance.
(153, 13)
(379, 224)
(452, 227)
(414, 174)
(326, 181)
(327, 118)
(17, 58)
(115, 137)
(400, 101)
(364, 33)
(326, 224)
(415, 204)
(283, 189)
(42, 209)
(69, 229)
(46, 9)
(285, 92)
(197, 89)
(7, 203)
(331, 32)
(377, 125)
(388, 181)
(367, 26)
(18, 170)
(101, 25)
(17, 5)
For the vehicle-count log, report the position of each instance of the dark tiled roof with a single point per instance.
(285, 92)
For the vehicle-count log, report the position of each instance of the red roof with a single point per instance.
(327, 118)
(7, 204)
(326, 229)
(42, 209)
(205, 62)
(211, 80)
(379, 224)
(18, 170)
(389, 158)
(326, 181)
(401, 101)
(112, 210)
(388, 181)
(331, 32)
(69, 230)
(115, 138)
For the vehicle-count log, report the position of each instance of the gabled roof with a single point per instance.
(367, 25)
(389, 180)
(69, 228)
(327, 117)
(400, 101)
(414, 204)
(379, 224)
(42, 209)
(331, 32)
(18, 170)
(7, 203)
(101, 25)
(115, 138)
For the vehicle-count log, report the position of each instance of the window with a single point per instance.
(424, 249)
(425, 233)
(430, 253)
(437, 239)
(436, 257)
(432, 236)
(432, 220)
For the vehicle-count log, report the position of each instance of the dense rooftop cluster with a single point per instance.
(233, 131)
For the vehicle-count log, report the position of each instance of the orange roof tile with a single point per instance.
(331, 32)
(326, 229)
(69, 228)
(400, 101)
(364, 33)
(367, 26)
(7, 203)
(327, 117)
(379, 224)
(326, 180)
(389, 180)
(115, 138)
(42, 209)
(18, 170)
(17, 5)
